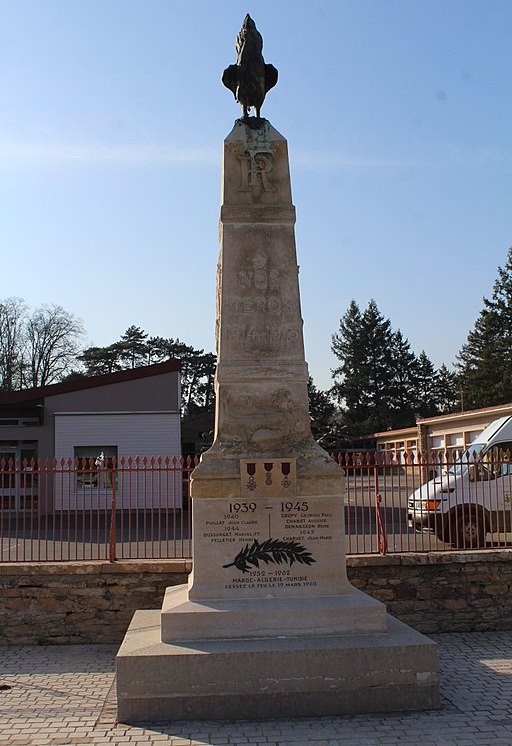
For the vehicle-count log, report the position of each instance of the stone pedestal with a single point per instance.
(269, 625)
(275, 677)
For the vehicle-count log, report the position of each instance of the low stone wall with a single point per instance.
(80, 602)
(441, 591)
(90, 602)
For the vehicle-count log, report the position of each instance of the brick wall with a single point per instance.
(90, 602)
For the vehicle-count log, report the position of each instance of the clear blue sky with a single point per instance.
(398, 115)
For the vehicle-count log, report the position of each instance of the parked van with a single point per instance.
(470, 497)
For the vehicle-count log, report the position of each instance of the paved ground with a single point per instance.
(63, 696)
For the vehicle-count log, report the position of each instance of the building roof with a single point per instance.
(404, 432)
(88, 382)
(467, 413)
(445, 418)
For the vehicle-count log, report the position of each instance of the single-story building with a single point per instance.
(444, 433)
(95, 422)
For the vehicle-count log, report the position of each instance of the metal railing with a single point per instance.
(398, 502)
(139, 508)
(62, 510)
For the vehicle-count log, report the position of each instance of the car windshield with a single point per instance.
(470, 455)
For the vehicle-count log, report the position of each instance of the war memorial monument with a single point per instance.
(268, 625)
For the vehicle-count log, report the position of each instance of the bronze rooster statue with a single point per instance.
(250, 78)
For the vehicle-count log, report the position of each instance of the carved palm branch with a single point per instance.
(271, 550)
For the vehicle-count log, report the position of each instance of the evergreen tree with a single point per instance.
(327, 422)
(365, 376)
(378, 342)
(448, 395)
(485, 360)
(134, 347)
(348, 347)
(321, 409)
(101, 360)
(198, 370)
(404, 381)
(426, 390)
(380, 384)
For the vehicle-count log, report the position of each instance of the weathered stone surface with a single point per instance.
(261, 383)
(288, 616)
(264, 479)
(273, 677)
(426, 612)
(269, 625)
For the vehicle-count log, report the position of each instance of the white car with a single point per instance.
(470, 498)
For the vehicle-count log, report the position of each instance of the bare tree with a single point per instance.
(53, 342)
(13, 314)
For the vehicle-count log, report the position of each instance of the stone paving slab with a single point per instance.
(65, 696)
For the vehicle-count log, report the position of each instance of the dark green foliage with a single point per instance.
(321, 408)
(101, 360)
(448, 393)
(136, 348)
(327, 422)
(403, 385)
(380, 383)
(133, 347)
(364, 380)
(426, 387)
(485, 360)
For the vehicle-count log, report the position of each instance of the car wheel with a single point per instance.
(469, 531)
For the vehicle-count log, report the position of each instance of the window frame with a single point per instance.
(96, 470)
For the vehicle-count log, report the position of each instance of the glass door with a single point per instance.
(18, 476)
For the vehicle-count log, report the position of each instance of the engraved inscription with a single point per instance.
(273, 305)
(270, 542)
(261, 540)
(258, 276)
(267, 338)
(256, 169)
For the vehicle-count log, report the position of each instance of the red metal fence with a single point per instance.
(87, 509)
(139, 508)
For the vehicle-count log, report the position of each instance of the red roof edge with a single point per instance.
(466, 413)
(90, 382)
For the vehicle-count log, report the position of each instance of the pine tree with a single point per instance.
(134, 346)
(426, 390)
(485, 360)
(378, 344)
(321, 409)
(448, 396)
(404, 381)
(364, 380)
(348, 347)
(101, 360)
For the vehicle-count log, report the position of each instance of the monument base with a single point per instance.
(278, 677)
(206, 619)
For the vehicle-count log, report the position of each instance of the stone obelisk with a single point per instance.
(267, 501)
(268, 624)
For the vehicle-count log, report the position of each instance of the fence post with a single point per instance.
(382, 542)
(112, 543)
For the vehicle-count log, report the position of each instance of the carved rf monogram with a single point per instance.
(257, 165)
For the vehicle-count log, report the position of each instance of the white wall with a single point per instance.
(135, 434)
